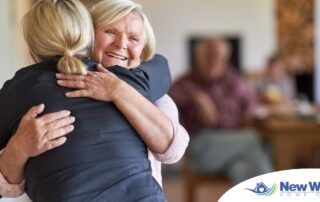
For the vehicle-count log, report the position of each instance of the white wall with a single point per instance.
(12, 49)
(11, 57)
(5, 22)
(174, 21)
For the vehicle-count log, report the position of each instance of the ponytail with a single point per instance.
(69, 64)
(60, 28)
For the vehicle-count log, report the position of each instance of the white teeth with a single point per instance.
(116, 56)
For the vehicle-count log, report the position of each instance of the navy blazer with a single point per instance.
(104, 159)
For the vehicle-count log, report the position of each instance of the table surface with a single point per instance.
(293, 140)
(288, 123)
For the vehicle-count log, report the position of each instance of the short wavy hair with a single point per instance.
(109, 11)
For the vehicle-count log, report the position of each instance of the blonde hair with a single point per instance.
(109, 11)
(59, 28)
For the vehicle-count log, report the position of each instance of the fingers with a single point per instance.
(47, 118)
(71, 81)
(60, 132)
(54, 143)
(34, 111)
(43, 133)
(100, 68)
(60, 123)
(99, 65)
(78, 93)
(78, 84)
(69, 77)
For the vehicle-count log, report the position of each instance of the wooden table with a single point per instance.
(293, 140)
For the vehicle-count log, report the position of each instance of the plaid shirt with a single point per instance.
(230, 94)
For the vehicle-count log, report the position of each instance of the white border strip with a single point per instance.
(317, 52)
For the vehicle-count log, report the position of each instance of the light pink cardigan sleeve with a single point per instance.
(179, 143)
(10, 190)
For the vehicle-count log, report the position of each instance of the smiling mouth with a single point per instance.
(113, 55)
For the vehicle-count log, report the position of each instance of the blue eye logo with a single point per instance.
(264, 190)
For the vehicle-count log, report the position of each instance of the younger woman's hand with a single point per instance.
(38, 134)
(34, 136)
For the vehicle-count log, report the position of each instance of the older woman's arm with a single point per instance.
(154, 127)
(180, 140)
(35, 135)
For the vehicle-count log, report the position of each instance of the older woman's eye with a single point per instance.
(109, 31)
(134, 38)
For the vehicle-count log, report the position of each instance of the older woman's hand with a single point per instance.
(100, 85)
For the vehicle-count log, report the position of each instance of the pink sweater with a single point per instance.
(173, 153)
(179, 142)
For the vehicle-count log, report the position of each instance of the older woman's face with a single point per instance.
(121, 43)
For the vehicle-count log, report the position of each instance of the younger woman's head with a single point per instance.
(59, 28)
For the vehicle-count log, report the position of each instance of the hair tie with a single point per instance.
(68, 53)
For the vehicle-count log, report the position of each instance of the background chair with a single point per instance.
(194, 180)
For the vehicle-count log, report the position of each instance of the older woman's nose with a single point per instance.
(121, 41)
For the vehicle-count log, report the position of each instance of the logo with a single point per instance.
(300, 189)
(294, 185)
(263, 190)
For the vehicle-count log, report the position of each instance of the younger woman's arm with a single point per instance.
(35, 135)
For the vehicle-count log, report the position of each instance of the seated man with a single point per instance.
(216, 107)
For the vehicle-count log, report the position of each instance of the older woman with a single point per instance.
(125, 39)
(104, 159)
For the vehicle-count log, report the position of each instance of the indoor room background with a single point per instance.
(255, 24)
